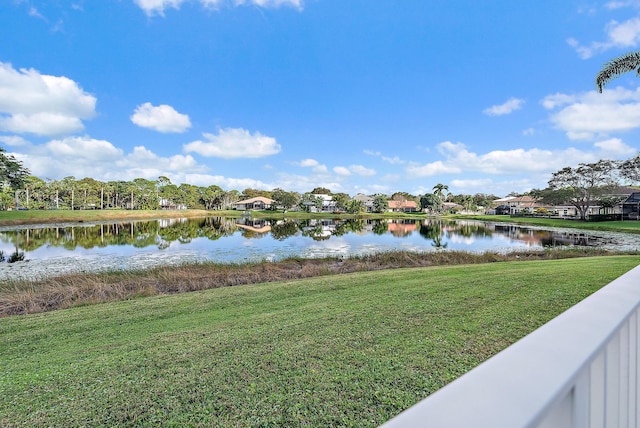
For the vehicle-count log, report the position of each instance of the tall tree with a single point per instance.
(321, 191)
(356, 206)
(380, 203)
(210, 196)
(584, 184)
(630, 169)
(12, 172)
(617, 66)
(439, 190)
(284, 199)
(342, 200)
(249, 193)
(431, 202)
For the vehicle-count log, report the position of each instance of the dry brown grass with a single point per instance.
(24, 297)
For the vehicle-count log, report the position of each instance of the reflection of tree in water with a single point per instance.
(284, 230)
(433, 230)
(469, 230)
(214, 228)
(380, 227)
(2, 258)
(348, 226)
(316, 233)
(16, 256)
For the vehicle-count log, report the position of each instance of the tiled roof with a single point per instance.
(256, 199)
(402, 204)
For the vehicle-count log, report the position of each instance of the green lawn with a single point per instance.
(631, 226)
(58, 216)
(343, 350)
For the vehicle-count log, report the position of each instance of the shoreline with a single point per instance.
(19, 297)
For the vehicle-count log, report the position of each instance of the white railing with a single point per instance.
(578, 370)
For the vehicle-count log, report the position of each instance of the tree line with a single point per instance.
(581, 186)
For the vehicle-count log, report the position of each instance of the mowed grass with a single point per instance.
(628, 226)
(342, 350)
(13, 218)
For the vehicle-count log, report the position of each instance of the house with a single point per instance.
(517, 205)
(403, 206)
(367, 201)
(257, 203)
(168, 204)
(328, 204)
(631, 207)
(451, 206)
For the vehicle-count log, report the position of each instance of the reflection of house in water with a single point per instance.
(401, 228)
(319, 229)
(167, 222)
(545, 238)
(531, 237)
(569, 238)
(257, 225)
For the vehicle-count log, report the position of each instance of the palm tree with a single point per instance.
(617, 66)
(439, 190)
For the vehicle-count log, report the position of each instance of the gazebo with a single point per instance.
(631, 207)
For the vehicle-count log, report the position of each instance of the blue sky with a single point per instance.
(357, 96)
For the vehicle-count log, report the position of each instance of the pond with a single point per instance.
(47, 250)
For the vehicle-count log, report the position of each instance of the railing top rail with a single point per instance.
(518, 385)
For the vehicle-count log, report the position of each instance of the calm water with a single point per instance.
(46, 250)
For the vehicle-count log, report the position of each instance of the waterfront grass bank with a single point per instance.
(339, 350)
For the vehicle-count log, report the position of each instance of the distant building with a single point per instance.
(403, 206)
(367, 201)
(257, 203)
(631, 207)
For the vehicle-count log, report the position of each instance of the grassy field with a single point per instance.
(629, 226)
(10, 218)
(342, 350)
(14, 218)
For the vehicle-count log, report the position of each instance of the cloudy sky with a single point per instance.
(359, 96)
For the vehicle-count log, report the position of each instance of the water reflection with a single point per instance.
(162, 234)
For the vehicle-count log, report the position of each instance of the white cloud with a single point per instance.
(162, 118)
(458, 159)
(158, 7)
(588, 115)
(624, 34)
(35, 13)
(478, 183)
(615, 148)
(341, 170)
(354, 169)
(13, 140)
(362, 171)
(528, 132)
(393, 161)
(226, 182)
(306, 183)
(232, 143)
(100, 159)
(431, 169)
(74, 149)
(40, 104)
(151, 7)
(314, 164)
(272, 3)
(508, 107)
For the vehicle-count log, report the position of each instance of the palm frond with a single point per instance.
(618, 66)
